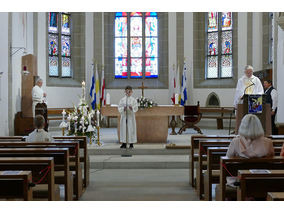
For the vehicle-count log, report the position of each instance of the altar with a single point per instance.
(151, 123)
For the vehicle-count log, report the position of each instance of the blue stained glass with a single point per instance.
(66, 67)
(120, 26)
(121, 14)
(120, 68)
(52, 44)
(151, 14)
(120, 47)
(65, 24)
(53, 66)
(226, 42)
(136, 47)
(151, 68)
(151, 49)
(212, 43)
(136, 68)
(136, 26)
(151, 26)
(53, 23)
(65, 46)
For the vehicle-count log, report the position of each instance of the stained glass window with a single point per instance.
(219, 63)
(59, 44)
(136, 41)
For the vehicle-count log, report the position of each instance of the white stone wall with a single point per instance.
(4, 57)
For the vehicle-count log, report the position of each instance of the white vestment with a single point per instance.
(37, 96)
(245, 82)
(39, 135)
(132, 136)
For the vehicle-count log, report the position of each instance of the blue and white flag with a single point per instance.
(183, 86)
(93, 97)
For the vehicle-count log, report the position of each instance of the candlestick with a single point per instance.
(107, 99)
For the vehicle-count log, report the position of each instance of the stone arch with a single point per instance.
(213, 100)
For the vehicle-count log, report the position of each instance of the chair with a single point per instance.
(192, 116)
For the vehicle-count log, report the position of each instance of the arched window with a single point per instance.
(136, 45)
(219, 60)
(59, 44)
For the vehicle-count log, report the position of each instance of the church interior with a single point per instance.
(183, 66)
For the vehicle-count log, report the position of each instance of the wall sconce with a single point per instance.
(25, 71)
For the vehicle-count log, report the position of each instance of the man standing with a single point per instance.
(248, 84)
(37, 94)
(272, 99)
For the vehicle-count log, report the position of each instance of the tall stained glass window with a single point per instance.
(59, 44)
(219, 61)
(136, 45)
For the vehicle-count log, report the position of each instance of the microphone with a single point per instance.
(248, 87)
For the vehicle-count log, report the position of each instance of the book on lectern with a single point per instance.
(255, 104)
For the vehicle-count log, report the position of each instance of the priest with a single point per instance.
(127, 108)
(38, 95)
(247, 84)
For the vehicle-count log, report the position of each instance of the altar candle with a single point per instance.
(176, 98)
(107, 99)
(98, 118)
(63, 114)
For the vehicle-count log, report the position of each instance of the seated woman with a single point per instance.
(251, 141)
(39, 134)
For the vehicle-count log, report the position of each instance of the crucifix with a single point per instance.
(142, 87)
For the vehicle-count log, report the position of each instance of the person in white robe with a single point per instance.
(38, 94)
(247, 84)
(127, 108)
(39, 134)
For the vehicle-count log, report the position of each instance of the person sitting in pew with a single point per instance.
(250, 142)
(39, 134)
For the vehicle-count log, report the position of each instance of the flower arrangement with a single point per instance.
(81, 121)
(145, 103)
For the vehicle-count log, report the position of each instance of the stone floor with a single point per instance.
(136, 180)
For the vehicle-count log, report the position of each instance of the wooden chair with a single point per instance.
(192, 116)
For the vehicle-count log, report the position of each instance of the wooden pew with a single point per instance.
(194, 143)
(84, 158)
(202, 156)
(218, 113)
(234, 164)
(212, 173)
(61, 156)
(256, 185)
(74, 157)
(275, 196)
(35, 165)
(16, 184)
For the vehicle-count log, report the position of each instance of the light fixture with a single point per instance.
(25, 71)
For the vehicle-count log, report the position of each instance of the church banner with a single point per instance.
(254, 104)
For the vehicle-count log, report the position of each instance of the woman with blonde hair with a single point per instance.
(250, 142)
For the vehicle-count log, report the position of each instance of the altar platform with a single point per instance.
(151, 123)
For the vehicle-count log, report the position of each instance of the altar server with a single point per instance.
(127, 108)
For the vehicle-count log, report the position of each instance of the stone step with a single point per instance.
(146, 150)
(139, 162)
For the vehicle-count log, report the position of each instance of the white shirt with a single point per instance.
(39, 135)
(274, 97)
(243, 87)
(37, 94)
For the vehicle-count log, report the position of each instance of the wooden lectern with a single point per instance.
(23, 123)
(264, 116)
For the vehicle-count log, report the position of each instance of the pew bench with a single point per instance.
(256, 183)
(234, 164)
(16, 185)
(218, 113)
(275, 196)
(61, 157)
(74, 158)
